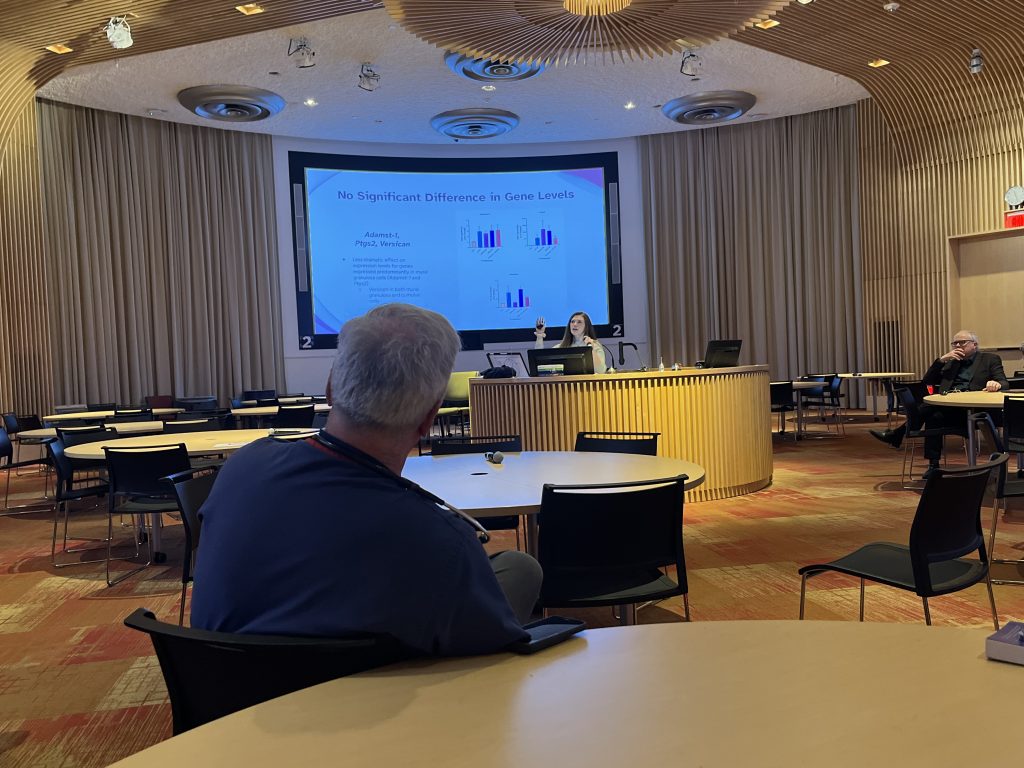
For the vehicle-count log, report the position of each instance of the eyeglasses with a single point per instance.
(960, 342)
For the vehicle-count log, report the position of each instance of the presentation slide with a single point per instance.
(488, 250)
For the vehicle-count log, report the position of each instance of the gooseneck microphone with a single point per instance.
(622, 357)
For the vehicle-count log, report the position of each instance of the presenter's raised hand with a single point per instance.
(540, 328)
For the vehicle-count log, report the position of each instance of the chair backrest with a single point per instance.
(212, 674)
(130, 415)
(70, 436)
(295, 416)
(70, 408)
(159, 401)
(189, 425)
(199, 403)
(644, 443)
(28, 421)
(444, 446)
(457, 393)
(610, 527)
(100, 406)
(781, 393)
(814, 391)
(908, 401)
(1013, 422)
(11, 423)
(6, 447)
(259, 394)
(947, 524)
(191, 489)
(140, 471)
(61, 465)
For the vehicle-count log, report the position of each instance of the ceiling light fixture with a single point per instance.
(311, 102)
(876, 63)
(299, 46)
(805, 2)
(119, 34)
(488, 88)
(368, 78)
(250, 9)
(629, 105)
(595, 7)
(891, 7)
(767, 23)
(691, 65)
(59, 48)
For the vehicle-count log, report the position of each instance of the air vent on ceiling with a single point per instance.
(489, 71)
(480, 123)
(231, 103)
(709, 107)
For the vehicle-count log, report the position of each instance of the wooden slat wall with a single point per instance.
(720, 420)
(906, 216)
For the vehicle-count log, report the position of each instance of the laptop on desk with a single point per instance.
(513, 360)
(722, 353)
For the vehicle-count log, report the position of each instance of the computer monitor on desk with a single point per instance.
(722, 353)
(558, 361)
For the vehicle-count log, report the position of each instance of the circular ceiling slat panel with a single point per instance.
(543, 31)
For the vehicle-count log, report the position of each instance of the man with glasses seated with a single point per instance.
(962, 369)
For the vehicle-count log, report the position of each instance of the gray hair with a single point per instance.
(393, 365)
(972, 334)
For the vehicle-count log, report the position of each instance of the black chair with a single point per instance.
(191, 490)
(782, 402)
(604, 544)
(8, 464)
(68, 489)
(259, 394)
(94, 433)
(295, 416)
(18, 423)
(946, 527)
(197, 403)
(159, 401)
(828, 401)
(446, 446)
(917, 432)
(137, 488)
(177, 427)
(100, 406)
(642, 443)
(212, 674)
(126, 415)
(1006, 487)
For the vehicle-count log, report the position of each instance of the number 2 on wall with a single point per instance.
(305, 342)
(617, 330)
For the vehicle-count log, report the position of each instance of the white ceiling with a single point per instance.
(562, 104)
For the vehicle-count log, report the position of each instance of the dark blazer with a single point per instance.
(987, 367)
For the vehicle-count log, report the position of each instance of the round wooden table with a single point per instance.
(474, 485)
(123, 428)
(719, 693)
(972, 401)
(105, 414)
(878, 377)
(196, 443)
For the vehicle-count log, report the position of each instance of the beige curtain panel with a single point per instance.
(752, 232)
(161, 252)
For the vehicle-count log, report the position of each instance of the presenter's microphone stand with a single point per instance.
(622, 358)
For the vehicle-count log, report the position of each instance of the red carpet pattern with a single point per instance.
(78, 689)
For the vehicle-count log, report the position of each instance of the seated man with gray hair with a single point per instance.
(323, 537)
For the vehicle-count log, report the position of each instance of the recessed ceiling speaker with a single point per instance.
(231, 103)
(474, 123)
(489, 71)
(709, 108)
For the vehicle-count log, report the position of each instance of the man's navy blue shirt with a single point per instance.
(298, 540)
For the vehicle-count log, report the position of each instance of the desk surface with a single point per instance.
(514, 487)
(197, 443)
(750, 693)
(970, 399)
(105, 414)
(271, 410)
(124, 428)
(877, 375)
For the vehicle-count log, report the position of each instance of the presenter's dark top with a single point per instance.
(299, 540)
(969, 375)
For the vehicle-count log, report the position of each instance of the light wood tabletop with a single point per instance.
(971, 399)
(878, 375)
(197, 443)
(105, 414)
(271, 410)
(723, 693)
(514, 487)
(124, 428)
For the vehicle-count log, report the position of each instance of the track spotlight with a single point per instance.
(977, 62)
(300, 47)
(119, 34)
(691, 65)
(368, 79)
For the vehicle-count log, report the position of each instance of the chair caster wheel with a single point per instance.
(159, 557)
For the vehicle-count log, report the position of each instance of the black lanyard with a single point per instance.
(335, 445)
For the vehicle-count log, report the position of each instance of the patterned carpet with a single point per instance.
(78, 689)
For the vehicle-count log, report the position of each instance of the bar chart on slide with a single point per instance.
(482, 235)
(509, 296)
(538, 233)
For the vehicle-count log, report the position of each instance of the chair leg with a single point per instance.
(803, 594)
(862, 599)
(992, 600)
(110, 539)
(686, 606)
(627, 614)
(992, 559)
(927, 613)
(181, 610)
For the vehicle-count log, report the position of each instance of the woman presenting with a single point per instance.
(579, 332)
